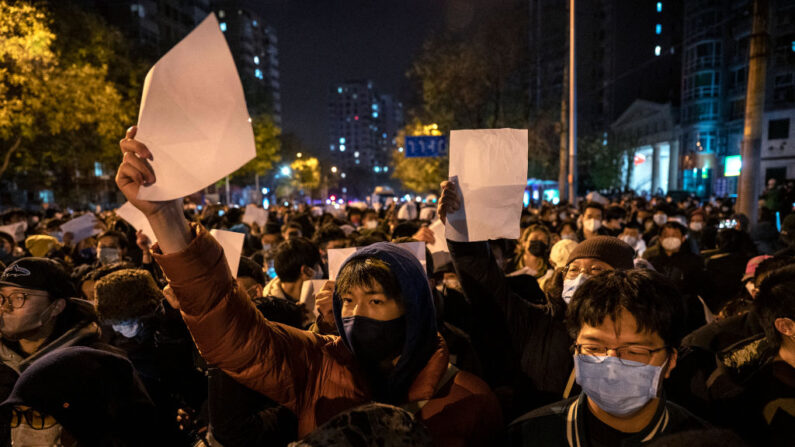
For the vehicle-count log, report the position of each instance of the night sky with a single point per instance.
(322, 42)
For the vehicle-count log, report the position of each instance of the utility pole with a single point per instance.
(754, 107)
(563, 188)
(572, 108)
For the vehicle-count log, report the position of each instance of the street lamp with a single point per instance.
(285, 170)
(334, 169)
(299, 155)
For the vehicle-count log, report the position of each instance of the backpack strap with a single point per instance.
(447, 377)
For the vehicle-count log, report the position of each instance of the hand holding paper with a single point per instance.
(489, 169)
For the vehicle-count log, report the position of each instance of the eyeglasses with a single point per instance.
(16, 299)
(627, 355)
(36, 420)
(573, 271)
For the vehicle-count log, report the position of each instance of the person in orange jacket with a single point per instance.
(389, 350)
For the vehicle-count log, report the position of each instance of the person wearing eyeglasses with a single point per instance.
(535, 334)
(80, 396)
(38, 315)
(626, 327)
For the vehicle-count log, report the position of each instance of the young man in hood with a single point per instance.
(626, 326)
(388, 350)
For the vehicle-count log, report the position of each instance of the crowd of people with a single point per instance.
(611, 321)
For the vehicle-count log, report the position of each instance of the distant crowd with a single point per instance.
(616, 320)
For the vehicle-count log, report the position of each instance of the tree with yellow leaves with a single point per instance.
(51, 112)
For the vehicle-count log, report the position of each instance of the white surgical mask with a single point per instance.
(24, 435)
(660, 219)
(671, 243)
(630, 240)
(569, 236)
(696, 226)
(127, 329)
(453, 284)
(570, 286)
(591, 224)
(108, 255)
(371, 224)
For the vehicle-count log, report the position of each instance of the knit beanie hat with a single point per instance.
(613, 251)
(126, 295)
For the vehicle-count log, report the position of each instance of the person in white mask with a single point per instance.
(111, 247)
(81, 396)
(592, 257)
(632, 235)
(592, 221)
(672, 257)
(627, 326)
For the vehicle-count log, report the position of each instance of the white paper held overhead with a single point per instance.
(232, 243)
(489, 167)
(16, 230)
(82, 227)
(137, 219)
(255, 214)
(193, 116)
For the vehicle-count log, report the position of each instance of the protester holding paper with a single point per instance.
(382, 299)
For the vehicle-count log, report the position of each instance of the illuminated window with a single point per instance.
(356, 154)
(377, 169)
(339, 89)
(659, 6)
(386, 169)
(342, 140)
(98, 169)
(658, 28)
(657, 50)
(375, 114)
(221, 14)
(258, 73)
(342, 148)
(254, 23)
(256, 60)
(223, 26)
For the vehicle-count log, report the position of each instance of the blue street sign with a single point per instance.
(426, 146)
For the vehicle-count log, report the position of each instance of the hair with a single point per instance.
(364, 272)
(293, 254)
(673, 225)
(776, 299)
(248, 268)
(292, 225)
(615, 212)
(328, 233)
(566, 223)
(595, 205)
(650, 297)
(771, 264)
(120, 238)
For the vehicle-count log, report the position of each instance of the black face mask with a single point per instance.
(373, 341)
(537, 248)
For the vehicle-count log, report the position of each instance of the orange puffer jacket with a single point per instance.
(314, 375)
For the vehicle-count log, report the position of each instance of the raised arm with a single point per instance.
(230, 333)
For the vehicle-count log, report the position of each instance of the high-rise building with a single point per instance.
(625, 51)
(362, 126)
(154, 26)
(714, 81)
(254, 47)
